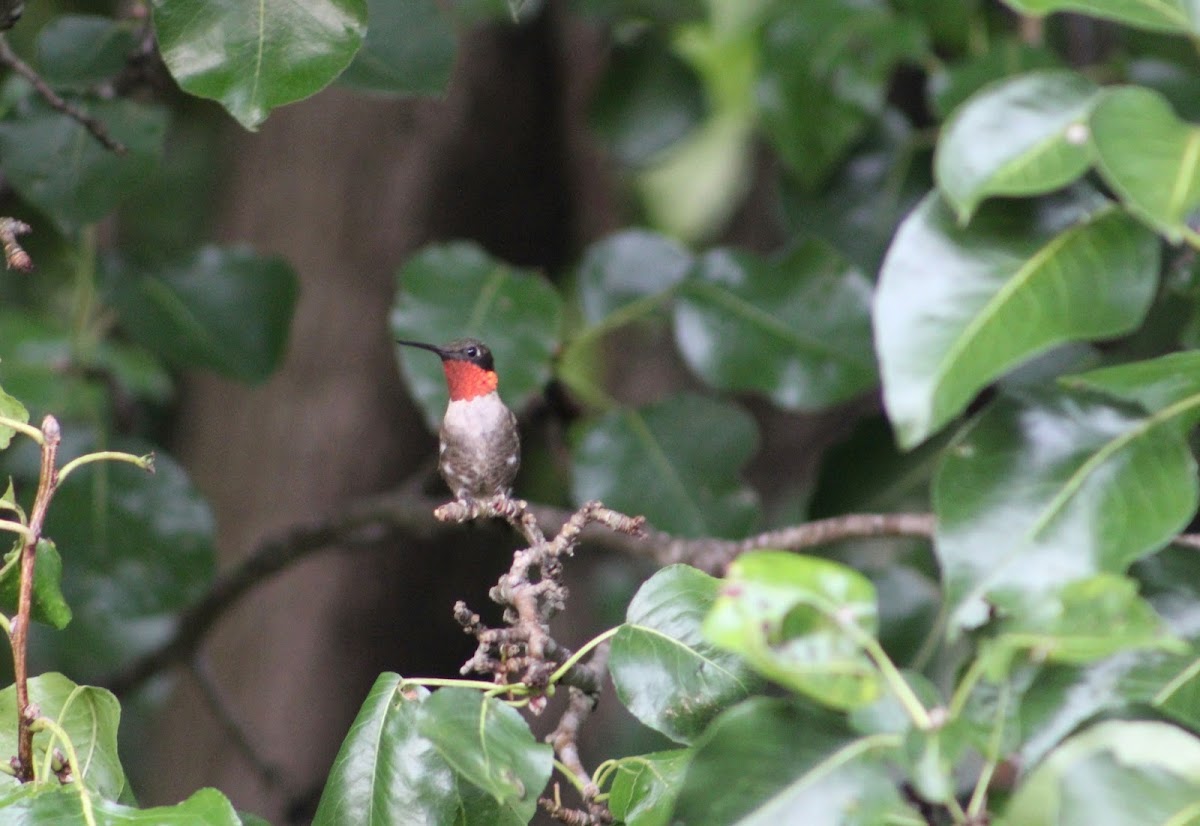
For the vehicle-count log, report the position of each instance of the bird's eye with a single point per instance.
(472, 352)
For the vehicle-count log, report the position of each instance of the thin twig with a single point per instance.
(531, 592)
(97, 129)
(47, 483)
(565, 736)
(571, 817)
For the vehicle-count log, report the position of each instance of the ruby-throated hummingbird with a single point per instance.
(480, 448)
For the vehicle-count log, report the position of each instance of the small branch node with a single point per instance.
(15, 256)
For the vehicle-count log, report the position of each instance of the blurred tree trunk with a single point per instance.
(346, 187)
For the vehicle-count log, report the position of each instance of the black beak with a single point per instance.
(431, 348)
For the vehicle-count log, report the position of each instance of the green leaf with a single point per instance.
(386, 772)
(409, 49)
(490, 745)
(253, 57)
(800, 621)
(1155, 384)
(768, 761)
(1087, 620)
(10, 408)
(676, 462)
(645, 786)
(49, 605)
(55, 163)
(1063, 697)
(951, 23)
(42, 804)
(454, 290)
(661, 11)
(951, 84)
(1045, 490)
(139, 547)
(36, 347)
(134, 370)
(1149, 157)
(647, 100)
(1180, 16)
(1023, 136)
(929, 757)
(89, 716)
(958, 306)
(1116, 773)
(625, 269)
(664, 670)
(227, 309)
(75, 51)
(858, 209)
(797, 329)
(825, 71)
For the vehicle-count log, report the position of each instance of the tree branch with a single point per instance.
(405, 512)
(97, 129)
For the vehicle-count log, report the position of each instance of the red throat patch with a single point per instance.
(467, 380)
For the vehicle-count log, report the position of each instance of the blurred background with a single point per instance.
(536, 131)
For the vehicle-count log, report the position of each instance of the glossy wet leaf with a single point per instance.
(367, 781)
(1062, 697)
(55, 163)
(796, 328)
(89, 716)
(1022, 136)
(772, 761)
(1049, 489)
(664, 670)
(1179, 16)
(1115, 773)
(489, 744)
(800, 621)
(387, 772)
(409, 48)
(10, 408)
(644, 787)
(64, 805)
(1149, 157)
(75, 51)
(957, 307)
(254, 57)
(227, 309)
(455, 290)
(1156, 384)
(625, 268)
(1087, 620)
(49, 605)
(648, 99)
(676, 462)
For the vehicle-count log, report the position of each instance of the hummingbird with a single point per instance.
(480, 449)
